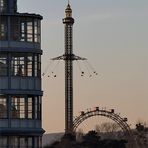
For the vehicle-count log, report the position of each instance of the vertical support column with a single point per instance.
(68, 79)
(68, 21)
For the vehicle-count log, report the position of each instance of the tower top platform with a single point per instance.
(68, 11)
(68, 15)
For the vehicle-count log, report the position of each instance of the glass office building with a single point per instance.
(20, 78)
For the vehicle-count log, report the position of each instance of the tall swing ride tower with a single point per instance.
(68, 57)
(68, 21)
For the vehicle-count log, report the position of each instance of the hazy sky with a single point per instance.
(113, 36)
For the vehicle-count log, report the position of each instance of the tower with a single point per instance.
(20, 77)
(68, 57)
(68, 21)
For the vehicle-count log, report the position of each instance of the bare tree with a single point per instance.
(107, 127)
(141, 134)
(108, 130)
(79, 135)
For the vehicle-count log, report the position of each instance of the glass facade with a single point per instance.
(22, 64)
(3, 106)
(20, 142)
(3, 5)
(3, 28)
(3, 142)
(26, 107)
(3, 65)
(25, 29)
(20, 78)
(22, 107)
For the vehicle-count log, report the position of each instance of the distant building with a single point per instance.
(20, 78)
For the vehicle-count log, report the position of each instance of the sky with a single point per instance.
(113, 36)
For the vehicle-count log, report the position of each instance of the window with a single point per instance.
(37, 107)
(36, 65)
(15, 32)
(23, 142)
(30, 142)
(23, 64)
(14, 142)
(37, 31)
(17, 107)
(30, 30)
(3, 28)
(37, 60)
(29, 65)
(3, 142)
(18, 65)
(3, 106)
(26, 29)
(23, 30)
(29, 108)
(20, 141)
(26, 107)
(3, 5)
(37, 142)
(3, 65)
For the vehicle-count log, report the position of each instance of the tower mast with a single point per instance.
(68, 21)
(68, 57)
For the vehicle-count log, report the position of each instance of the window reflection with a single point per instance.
(3, 28)
(37, 107)
(22, 64)
(3, 65)
(3, 5)
(18, 65)
(20, 141)
(25, 64)
(26, 107)
(26, 29)
(18, 107)
(3, 142)
(30, 108)
(22, 106)
(30, 31)
(3, 106)
(15, 32)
